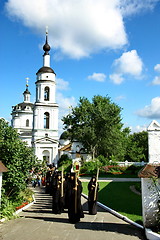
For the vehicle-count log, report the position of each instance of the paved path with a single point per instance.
(39, 223)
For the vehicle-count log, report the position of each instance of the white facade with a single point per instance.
(150, 188)
(37, 123)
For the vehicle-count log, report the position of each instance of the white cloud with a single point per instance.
(64, 107)
(157, 67)
(99, 77)
(121, 97)
(79, 28)
(62, 84)
(156, 80)
(128, 64)
(116, 78)
(152, 110)
(76, 28)
(138, 128)
(130, 7)
(65, 102)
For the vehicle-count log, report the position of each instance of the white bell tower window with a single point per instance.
(46, 94)
(46, 120)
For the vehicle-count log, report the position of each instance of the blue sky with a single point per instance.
(105, 47)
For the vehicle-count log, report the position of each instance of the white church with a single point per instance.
(37, 123)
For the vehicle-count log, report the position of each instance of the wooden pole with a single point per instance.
(62, 175)
(95, 191)
(75, 192)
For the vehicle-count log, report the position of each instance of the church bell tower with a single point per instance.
(45, 112)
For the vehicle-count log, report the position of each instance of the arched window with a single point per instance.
(46, 94)
(27, 123)
(46, 120)
(36, 93)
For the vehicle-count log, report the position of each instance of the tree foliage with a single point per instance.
(98, 126)
(17, 157)
(137, 149)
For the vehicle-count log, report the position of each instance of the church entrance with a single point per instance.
(46, 156)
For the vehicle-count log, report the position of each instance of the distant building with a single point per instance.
(37, 123)
(73, 149)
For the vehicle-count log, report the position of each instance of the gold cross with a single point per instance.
(46, 30)
(27, 78)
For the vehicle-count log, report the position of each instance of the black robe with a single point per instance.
(92, 197)
(57, 199)
(66, 199)
(48, 181)
(75, 211)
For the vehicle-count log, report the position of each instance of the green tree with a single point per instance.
(17, 157)
(97, 125)
(137, 149)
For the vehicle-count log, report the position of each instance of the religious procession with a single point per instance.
(66, 190)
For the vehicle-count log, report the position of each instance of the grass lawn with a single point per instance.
(119, 197)
(111, 175)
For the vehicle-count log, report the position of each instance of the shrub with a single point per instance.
(133, 169)
(66, 162)
(9, 204)
(90, 167)
(103, 161)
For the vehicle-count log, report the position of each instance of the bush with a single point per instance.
(66, 162)
(9, 204)
(90, 167)
(103, 161)
(133, 169)
(7, 208)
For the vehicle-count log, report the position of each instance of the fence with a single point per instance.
(127, 164)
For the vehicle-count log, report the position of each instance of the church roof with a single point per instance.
(45, 140)
(64, 135)
(22, 106)
(45, 70)
(66, 147)
(46, 46)
(26, 91)
(2, 167)
(26, 134)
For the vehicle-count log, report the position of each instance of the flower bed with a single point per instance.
(21, 206)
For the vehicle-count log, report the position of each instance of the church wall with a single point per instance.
(46, 76)
(39, 118)
(19, 121)
(27, 140)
